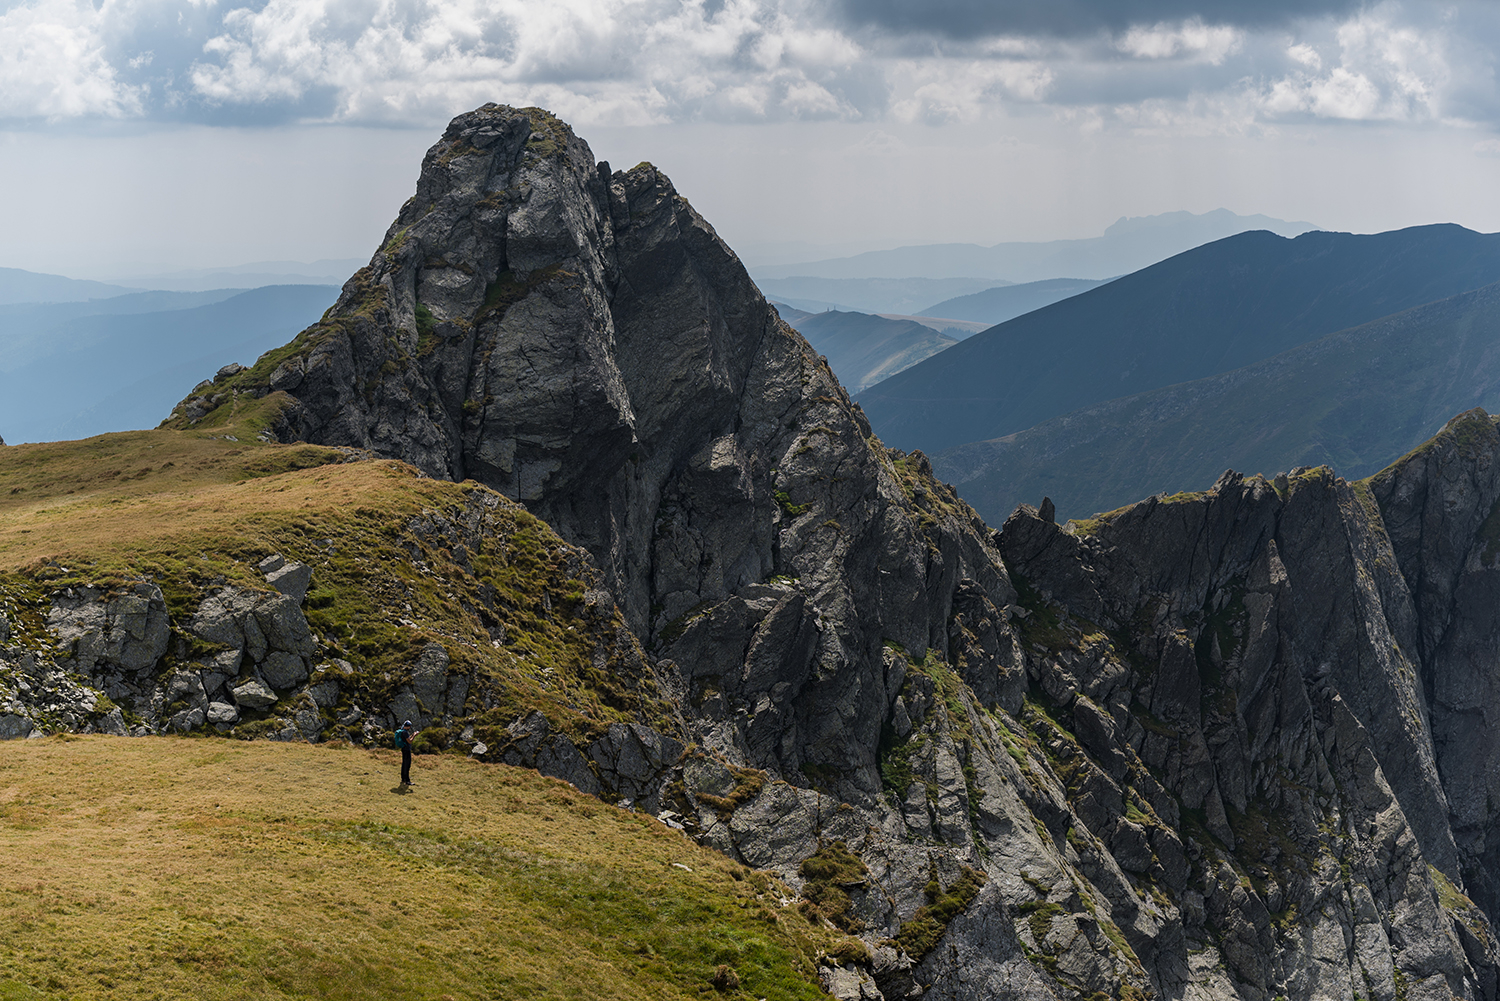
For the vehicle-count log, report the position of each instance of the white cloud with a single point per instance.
(1218, 114)
(53, 63)
(1306, 55)
(940, 91)
(1191, 40)
(1488, 147)
(878, 143)
(646, 60)
(1386, 71)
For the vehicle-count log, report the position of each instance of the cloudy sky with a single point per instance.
(140, 135)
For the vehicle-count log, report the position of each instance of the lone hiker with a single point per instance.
(404, 734)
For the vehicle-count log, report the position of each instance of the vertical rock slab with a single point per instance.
(1441, 505)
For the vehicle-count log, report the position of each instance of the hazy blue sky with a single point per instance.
(142, 134)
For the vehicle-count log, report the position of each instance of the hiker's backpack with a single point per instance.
(403, 737)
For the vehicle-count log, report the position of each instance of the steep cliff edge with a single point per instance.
(1204, 746)
(1441, 506)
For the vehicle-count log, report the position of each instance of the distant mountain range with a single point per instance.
(863, 349)
(70, 370)
(17, 286)
(1006, 302)
(870, 295)
(253, 275)
(958, 329)
(29, 331)
(1353, 400)
(1213, 309)
(1128, 245)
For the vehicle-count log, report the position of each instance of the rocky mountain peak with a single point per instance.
(581, 340)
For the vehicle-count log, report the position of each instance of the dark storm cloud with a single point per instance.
(1071, 18)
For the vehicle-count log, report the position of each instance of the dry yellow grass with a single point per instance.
(139, 490)
(178, 868)
(115, 528)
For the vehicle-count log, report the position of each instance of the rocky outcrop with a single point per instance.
(522, 620)
(126, 629)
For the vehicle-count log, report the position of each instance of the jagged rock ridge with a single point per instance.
(1187, 751)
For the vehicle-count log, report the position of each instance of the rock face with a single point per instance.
(1441, 507)
(128, 630)
(1256, 680)
(1236, 744)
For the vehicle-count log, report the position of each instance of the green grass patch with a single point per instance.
(830, 873)
(748, 782)
(426, 325)
(784, 500)
(502, 293)
(1039, 915)
(1117, 938)
(921, 934)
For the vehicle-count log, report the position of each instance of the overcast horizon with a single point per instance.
(156, 135)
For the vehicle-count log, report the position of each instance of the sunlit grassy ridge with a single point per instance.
(394, 565)
(174, 868)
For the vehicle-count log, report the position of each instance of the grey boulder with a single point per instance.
(128, 629)
(284, 670)
(13, 727)
(254, 695)
(292, 580)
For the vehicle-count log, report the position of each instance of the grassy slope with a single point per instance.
(1354, 400)
(193, 510)
(173, 868)
(178, 868)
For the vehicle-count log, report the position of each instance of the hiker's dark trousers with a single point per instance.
(406, 766)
